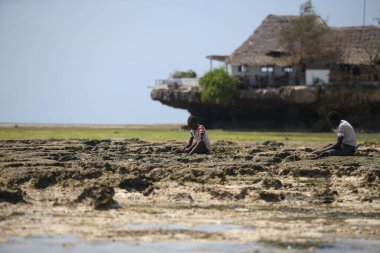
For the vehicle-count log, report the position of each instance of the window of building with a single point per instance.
(267, 69)
(356, 71)
(288, 69)
(242, 68)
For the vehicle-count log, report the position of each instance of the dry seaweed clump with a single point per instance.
(99, 196)
(325, 195)
(13, 196)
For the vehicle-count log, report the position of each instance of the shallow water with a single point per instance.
(70, 244)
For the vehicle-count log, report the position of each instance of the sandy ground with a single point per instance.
(133, 191)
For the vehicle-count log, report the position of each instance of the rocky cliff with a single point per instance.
(280, 108)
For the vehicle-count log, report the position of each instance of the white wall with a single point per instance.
(317, 76)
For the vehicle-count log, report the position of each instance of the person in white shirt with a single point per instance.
(198, 134)
(346, 144)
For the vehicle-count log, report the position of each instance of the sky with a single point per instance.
(95, 61)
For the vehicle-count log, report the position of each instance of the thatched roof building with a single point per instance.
(265, 47)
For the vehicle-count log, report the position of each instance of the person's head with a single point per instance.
(192, 122)
(334, 119)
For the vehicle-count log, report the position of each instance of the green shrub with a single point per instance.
(184, 74)
(218, 87)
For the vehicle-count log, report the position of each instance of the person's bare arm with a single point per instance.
(190, 142)
(320, 153)
(196, 146)
(188, 147)
(337, 145)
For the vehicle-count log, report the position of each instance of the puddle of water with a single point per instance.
(351, 246)
(347, 245)
(70, 244)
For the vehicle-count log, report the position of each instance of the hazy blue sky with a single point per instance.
(91, 62)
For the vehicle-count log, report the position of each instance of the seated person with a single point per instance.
(198, 134)
(346, 143)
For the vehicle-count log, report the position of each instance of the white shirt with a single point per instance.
(346, 131)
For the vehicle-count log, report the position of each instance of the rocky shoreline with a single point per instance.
(289, 107)
(131, 190)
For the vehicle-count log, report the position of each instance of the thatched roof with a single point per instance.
(264, 46)
(357, 44)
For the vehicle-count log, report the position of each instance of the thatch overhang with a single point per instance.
(221, 58)
(265, 47)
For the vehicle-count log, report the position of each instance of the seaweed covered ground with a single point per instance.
(261, 197)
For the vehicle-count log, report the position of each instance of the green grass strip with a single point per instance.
(165, 133)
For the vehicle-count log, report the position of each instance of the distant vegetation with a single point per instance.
(184, 74)
(378, 20)
(218, 87)
(306, 39)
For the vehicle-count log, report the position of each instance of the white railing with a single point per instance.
(177, 82)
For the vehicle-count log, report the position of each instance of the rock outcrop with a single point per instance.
(284, 107)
